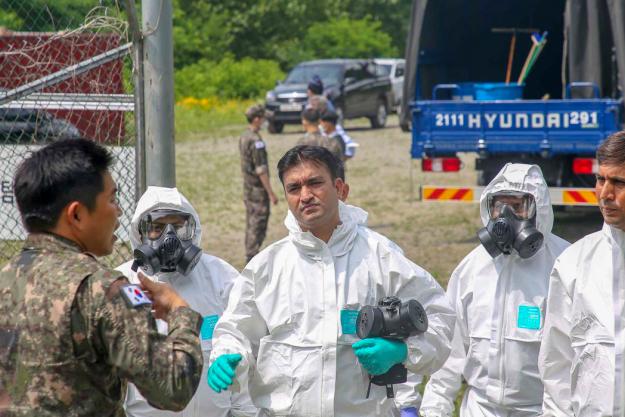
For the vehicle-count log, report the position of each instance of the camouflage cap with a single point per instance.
(257, 110)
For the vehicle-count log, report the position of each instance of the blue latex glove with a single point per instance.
(222, 371)
(377, 355)
(409, 412)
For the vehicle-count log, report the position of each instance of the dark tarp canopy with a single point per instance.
(450, 42)
(412, 59)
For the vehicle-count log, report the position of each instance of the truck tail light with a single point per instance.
(451, 164)
(585, 166)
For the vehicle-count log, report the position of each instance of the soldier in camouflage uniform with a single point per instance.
(314, 137)
(323, 104)
(257, 189)
(316, 99)
(331, 128)
(72, 331)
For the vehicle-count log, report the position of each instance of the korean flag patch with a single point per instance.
(134, 296)
(259, 144)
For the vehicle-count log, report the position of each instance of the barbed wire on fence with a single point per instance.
(65, 99)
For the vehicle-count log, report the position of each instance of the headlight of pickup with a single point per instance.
(270, 96)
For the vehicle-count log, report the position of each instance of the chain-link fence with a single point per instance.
(65, 72)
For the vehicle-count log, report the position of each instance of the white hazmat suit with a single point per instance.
(581, 359)
(500, 308)
(408, 394)
(292, 316)
(206, 289)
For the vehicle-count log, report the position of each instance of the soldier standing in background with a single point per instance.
(73, 332)
(328, 122)
(314, 137)
(256, 186)
(316, 99)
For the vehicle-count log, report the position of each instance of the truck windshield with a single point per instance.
(329, 73)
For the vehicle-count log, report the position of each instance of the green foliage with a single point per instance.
(276, 29)
(199, 33)
(344, 38)
(44, 15)
(393, 15)
(10, 20)
(262, 28)
(249, 35)
(228, 78)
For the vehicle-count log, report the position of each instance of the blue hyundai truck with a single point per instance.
(468, 87)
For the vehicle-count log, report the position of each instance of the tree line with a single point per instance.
(273, 35)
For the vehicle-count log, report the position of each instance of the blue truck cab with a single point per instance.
(555, 117)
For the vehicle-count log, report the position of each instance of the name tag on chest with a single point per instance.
(208, 327)
(528, 318)
(348, 321)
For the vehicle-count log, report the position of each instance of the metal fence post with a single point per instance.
(158, 64)
(140, 145)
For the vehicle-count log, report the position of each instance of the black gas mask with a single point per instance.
(512, 225)
(391, 319)
(167, 243)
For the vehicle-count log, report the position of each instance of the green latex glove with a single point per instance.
(378, 355)
(222, 371)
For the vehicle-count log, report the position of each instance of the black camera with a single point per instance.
(391, 319)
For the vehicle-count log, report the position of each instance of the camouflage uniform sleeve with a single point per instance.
(336, 147)
(259, 157)
(165, 369)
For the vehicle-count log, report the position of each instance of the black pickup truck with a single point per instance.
(354, 86)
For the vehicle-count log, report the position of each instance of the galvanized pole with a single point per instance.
(158, 67)
(137, 58)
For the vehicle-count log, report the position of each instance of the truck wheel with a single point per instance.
(275, 127)
(379, 120)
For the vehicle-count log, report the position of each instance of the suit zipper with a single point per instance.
(502, 332)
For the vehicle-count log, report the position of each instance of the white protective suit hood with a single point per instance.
(206, 288)
(500, 306)
(341, 239)
(524, 178)
(156, 198)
